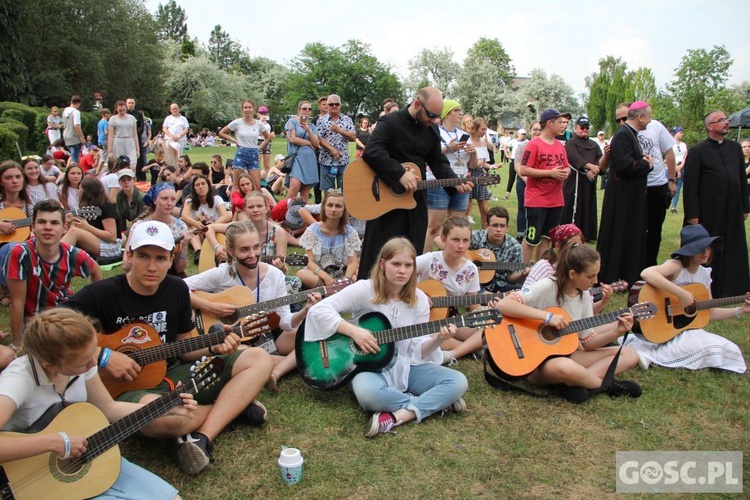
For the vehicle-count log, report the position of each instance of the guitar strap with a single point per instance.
(610, 375)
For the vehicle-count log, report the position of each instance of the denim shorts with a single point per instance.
(246, 158)
(439, 199)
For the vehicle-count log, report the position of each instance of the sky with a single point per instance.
(563, 38)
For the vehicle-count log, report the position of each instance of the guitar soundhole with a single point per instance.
(231, 319)
(399, 189)
(549, 334)
(68, 471)
(355, 348)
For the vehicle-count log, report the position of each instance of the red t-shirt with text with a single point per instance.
(544, 192)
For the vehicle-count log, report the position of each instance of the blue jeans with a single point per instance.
(521, 217)
(330, 180)
(75, 151)
(4, 254)
(431, 388)
(676, 197)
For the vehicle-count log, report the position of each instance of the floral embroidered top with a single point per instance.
(338, 248)
(431, 266)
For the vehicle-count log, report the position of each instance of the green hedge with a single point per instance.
(13, 114)
(8, 140)
(21, 130)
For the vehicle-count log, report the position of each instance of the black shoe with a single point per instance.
(575, 395)
(255, 414)
(623, 388)
(197, 257)
(192, 452)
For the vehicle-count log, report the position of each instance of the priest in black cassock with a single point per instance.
(715, 194)
(622, 233)
(579, 189)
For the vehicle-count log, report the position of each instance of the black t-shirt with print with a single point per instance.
(115, 305)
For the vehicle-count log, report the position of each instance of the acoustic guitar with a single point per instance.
(22, 223)
(672, 318)
(48, 476)
(208, 256)
(328, 364)
(518, 346)
(442, 302)
(142, 343)
(484, 259)
(243, 298)
(367, 197)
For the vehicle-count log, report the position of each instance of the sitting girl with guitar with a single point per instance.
(458, 275)
(161, 200)
(332, 245)
(14, 205)
(560, 236)
(693, 348)
(99, 237)
(60, 368)
(584, 369)
(414, 385)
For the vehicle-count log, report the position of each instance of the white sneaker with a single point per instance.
(643, 362)
(470, 219)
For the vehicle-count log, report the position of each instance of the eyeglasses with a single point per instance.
(498, 226)
(720, 120)
(334, 104)
(536, 130)
(305, 109)
(584, 127)
(429, 114)
(621, 119)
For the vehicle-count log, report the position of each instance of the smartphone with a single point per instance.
(303, 119)
(230, 162)
(464, 138)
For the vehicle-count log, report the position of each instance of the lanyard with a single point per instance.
(257, 281)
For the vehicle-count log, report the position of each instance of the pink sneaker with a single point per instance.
(381, 423)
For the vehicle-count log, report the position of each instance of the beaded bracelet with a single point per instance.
(66, 440)
(216, 246)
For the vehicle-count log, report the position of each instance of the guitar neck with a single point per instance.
(103, 440)
(504, 266)
(708, 304)
(26, 222)
(464, 300)
(267, 305)
(411, 331)
(175, 349)
(592, 322)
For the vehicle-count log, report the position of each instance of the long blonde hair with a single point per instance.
(408, 293)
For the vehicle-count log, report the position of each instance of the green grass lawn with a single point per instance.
(505, 445)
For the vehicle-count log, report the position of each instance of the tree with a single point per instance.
(13, 76)
(608, 88)
(643, 84)
(434, 67)
(350, 71)
(699, 77)
(540, 92)
(90, 46)
(492, 51)
(172, 22)
(222, 50)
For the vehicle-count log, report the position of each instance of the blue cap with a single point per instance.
(677, 129)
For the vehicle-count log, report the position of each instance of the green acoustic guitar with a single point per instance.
(328, 364)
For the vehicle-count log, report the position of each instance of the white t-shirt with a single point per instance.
(176, 125)
(432, 266)
(272, 286)
(680, 150)
(32, 400)
(543, 294)
(458, 159)
(211, 214)
(71, 117)
(40, 192)
(110, 181)
(54, 171)
(247, 135)
(656, 141)
(73, 195)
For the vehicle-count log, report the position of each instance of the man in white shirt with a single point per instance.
(680, 154)
(72, 133)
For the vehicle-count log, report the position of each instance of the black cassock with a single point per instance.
(622, 233)
(581, 151)
(715, 191)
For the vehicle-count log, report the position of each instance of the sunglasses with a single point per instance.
(584, 127)
(621, 120)
(334, 104)
(429, 115)
(305, 109)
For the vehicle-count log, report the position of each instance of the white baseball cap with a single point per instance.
(151, 232)
(521, 131)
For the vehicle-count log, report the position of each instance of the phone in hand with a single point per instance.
(230, 162)
(303, 118)
(464, 138)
